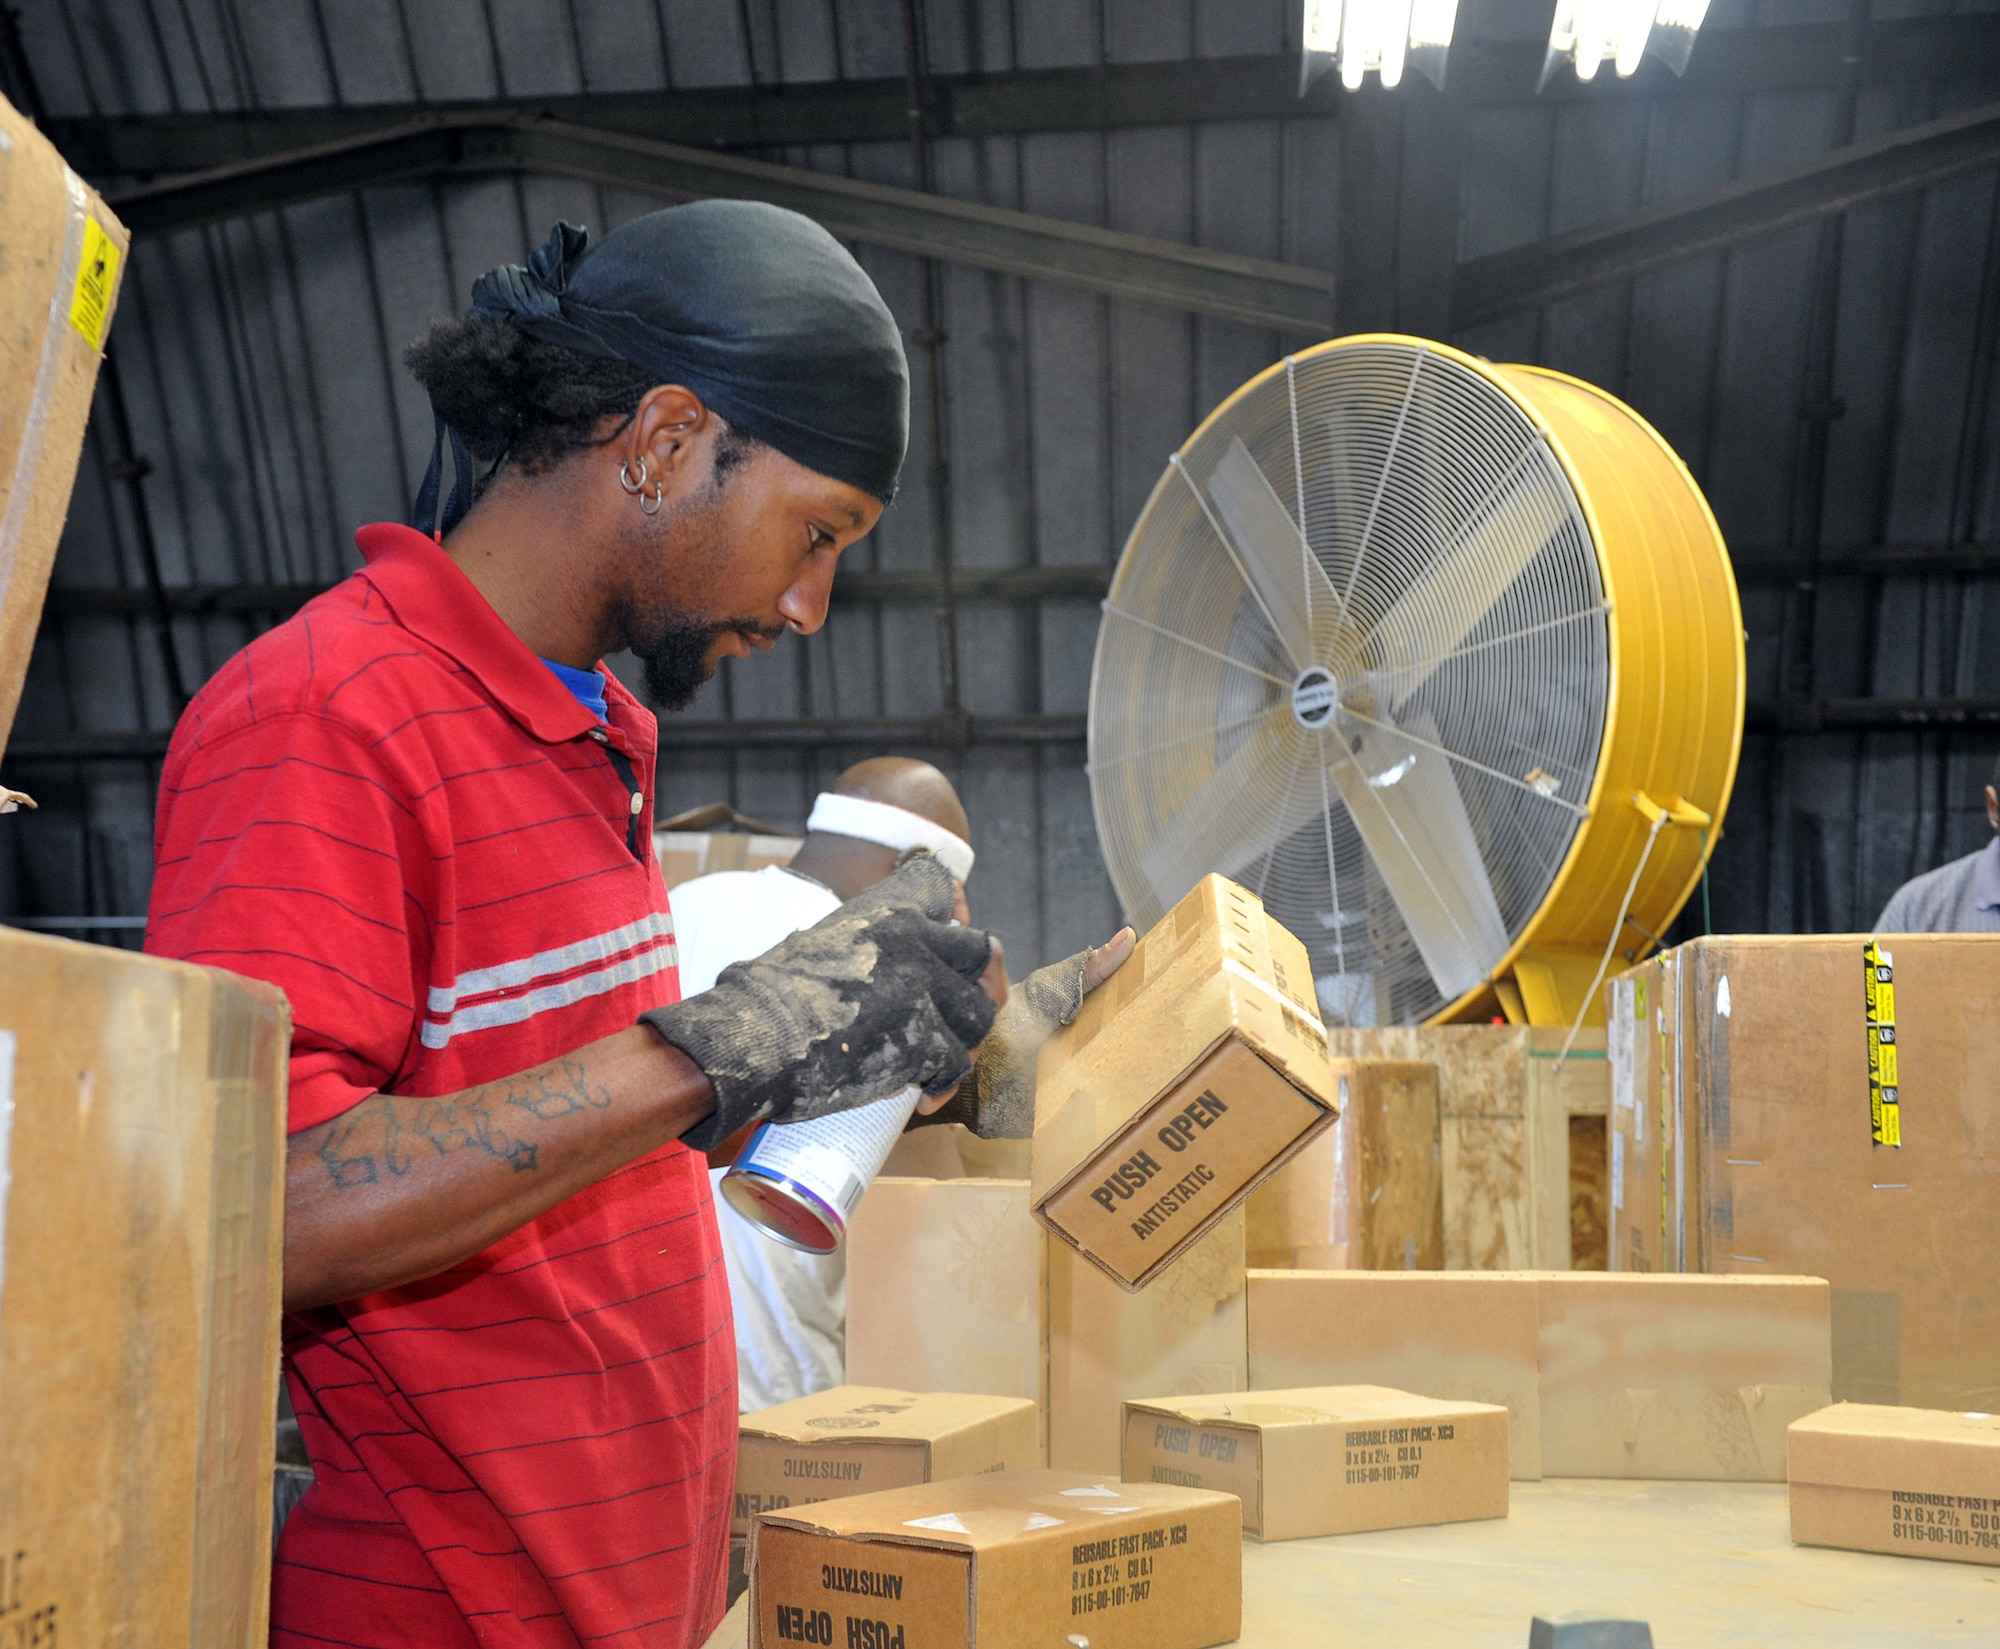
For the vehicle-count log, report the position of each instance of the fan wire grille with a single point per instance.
(1356, 657)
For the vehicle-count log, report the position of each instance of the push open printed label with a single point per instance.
(1183, 1162)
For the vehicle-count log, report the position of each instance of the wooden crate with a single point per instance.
(1505, 1104)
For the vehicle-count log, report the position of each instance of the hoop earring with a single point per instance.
(625, 480)
(650, 502)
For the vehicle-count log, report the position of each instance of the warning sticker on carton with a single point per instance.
(96, 280)
(1885, 1110)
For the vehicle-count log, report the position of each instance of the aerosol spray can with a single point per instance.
(801, 1181)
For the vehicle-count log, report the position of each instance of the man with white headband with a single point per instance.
(791, 1307)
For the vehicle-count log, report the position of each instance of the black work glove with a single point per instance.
(997, 1101)
(880, 994)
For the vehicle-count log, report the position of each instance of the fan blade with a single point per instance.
(1435, 614)
(1272, 551)
(1248, 805)
(1405, 803)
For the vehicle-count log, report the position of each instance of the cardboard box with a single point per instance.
(1184, 1335)
(686, 854)
(1743, 1142)
(1190, 1076)
(1015, 1560)
(1369, 1192)
(1326, 1459)
(1458, 1336)
(62, 255)
(1688, 1377)
(953, 1151)
(142, 1134)
(857, 1439)
(946, 1284)
(1601, 1375)
(1910, 1482)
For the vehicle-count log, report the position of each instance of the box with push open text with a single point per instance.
(1320, 1460)
(1011, 1560)
(856, 1439)
(1189, 1077)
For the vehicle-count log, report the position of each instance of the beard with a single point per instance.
(679, 656)
(669, 635)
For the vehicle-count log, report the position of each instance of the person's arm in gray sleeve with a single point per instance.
(997, 1101)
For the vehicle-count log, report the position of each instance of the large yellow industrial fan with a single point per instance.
(1444, 659)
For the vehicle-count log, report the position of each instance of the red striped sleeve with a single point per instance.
(287, 850)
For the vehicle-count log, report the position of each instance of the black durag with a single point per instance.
(758, 310)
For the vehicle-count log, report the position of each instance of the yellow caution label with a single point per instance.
(96, 280)
(1666, 1122)
(1885, 1109)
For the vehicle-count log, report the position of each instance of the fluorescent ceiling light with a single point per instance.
(1387, 36)
(1592, 32)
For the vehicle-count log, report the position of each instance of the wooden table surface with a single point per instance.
(1709, 1565)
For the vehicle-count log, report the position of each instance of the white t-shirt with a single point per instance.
(791, 1308)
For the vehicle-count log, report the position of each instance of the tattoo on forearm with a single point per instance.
(383, 1138)
(362, 1145)
(561, 1090)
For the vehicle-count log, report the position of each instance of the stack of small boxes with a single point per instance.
(1112, 1291)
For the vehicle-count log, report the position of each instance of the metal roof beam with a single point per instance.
(877, 732)
(1726, 61)
(1787, 717)
(852, 586)
(1292, 300)
(1756, 567)
(1252, 290)
(1485, 289)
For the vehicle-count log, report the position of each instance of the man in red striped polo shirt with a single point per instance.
(423, 810)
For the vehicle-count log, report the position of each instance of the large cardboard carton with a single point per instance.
(953, 1151)
(1190, 1075)
(857, 1439)
(1462, 1336)
(1601, 1375)
(1185, 1334)
(1744, 1140)
(1369, 1192)
(142, 1127)
(1326, 1459)
(1689, 1377)
(62, 255)
(1013, 1560)
(946, 1284)
(1910, 1482)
